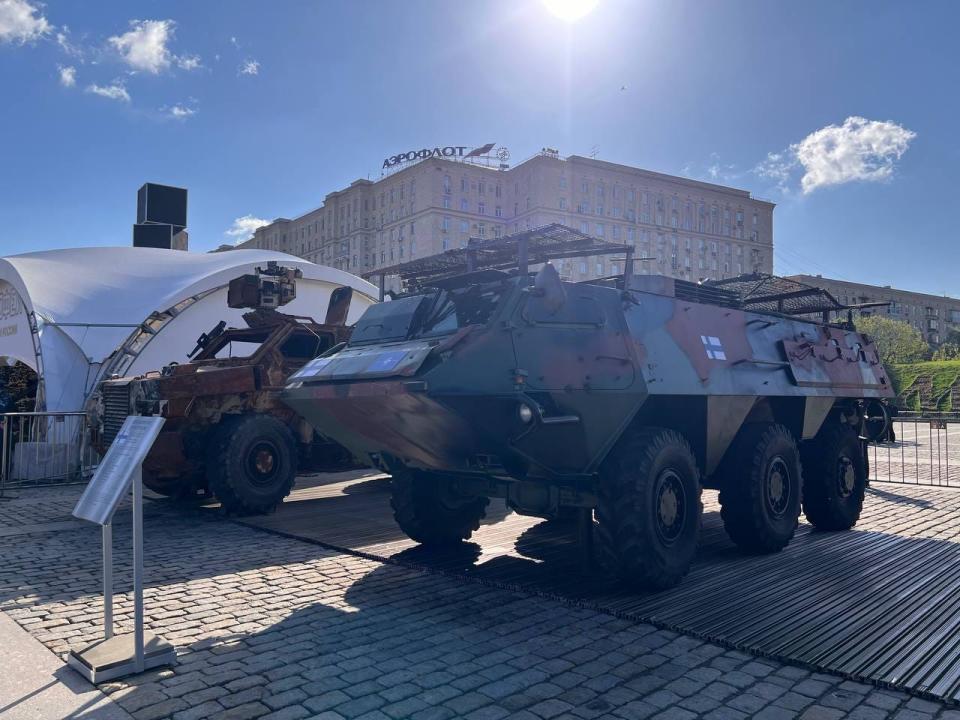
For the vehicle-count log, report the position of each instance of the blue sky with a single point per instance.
(845, 113)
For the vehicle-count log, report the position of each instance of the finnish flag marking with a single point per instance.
(713, 347)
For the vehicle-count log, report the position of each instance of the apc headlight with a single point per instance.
(525, 412)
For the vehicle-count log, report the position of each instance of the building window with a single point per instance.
(446, 223)
(446, 184)
(584, 187)
(600, 269)
(464, 226)
(583, 228)
(481, 230)
(563, 203)
(498, 211)
(482, 208)
(464, 185)
(631, 238)
(616, 232)
(446, 202)
(563, 182)
(600, 230)
(464, 204)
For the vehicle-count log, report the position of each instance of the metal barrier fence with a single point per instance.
(44, 448)
(925, 451)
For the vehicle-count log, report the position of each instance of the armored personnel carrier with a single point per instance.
(227, 433)
(622, 397)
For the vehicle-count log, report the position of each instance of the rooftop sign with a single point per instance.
(448, 151)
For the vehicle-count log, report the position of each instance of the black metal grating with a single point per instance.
(550, 242)
(116, 408)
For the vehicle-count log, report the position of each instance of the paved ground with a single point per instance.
(35, 684)
(273, 627)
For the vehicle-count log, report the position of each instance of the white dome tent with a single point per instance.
(75, 315)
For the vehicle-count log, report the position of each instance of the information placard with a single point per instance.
(112, 479)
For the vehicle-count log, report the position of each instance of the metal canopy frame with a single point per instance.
(773, 294)
(511, 252)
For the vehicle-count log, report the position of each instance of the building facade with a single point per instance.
(688, 229)
(933, 315)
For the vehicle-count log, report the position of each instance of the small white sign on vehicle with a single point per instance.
(112, 479)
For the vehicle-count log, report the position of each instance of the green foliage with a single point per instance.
(18, 388)
(897, 341)
(947, 351)
(926, 385)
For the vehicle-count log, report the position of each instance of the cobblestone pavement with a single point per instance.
(272, 627)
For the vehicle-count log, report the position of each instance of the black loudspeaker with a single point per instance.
(153, 236)
(162, 204)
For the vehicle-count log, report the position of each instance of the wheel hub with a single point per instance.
(264, 461)
(670, 507)
(846, 476)
(778, 487)
(263, 464)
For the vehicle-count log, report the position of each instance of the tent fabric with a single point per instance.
(87, 302)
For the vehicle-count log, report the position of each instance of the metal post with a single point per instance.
(383, 279)
(4, 469)
(107, 581)
(138, 569)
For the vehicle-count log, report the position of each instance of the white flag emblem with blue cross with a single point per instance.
(713, 347)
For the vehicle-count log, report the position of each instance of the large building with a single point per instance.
(689, 229)
(933, 315)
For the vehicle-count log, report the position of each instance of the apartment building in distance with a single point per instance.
(933, 315)
(689, 229)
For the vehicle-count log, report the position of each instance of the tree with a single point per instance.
(897, 341)
(18, 388)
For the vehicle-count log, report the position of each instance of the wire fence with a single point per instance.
(44, 448)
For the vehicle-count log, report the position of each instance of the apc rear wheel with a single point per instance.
(431, 512)
(648, 510)
(760, 488)
(252, 464)
(835, 474)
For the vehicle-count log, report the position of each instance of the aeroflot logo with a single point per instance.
(10, 305)
(450, 151)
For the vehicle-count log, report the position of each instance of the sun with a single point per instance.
(570, 10)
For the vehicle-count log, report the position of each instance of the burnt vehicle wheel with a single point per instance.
(761, 483)
(252, 464)
(835, 477)
(648, 509)
(431, 512)
(182, 487)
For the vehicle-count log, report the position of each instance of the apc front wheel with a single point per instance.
(648, 509)
(834, 468)
(432, 512)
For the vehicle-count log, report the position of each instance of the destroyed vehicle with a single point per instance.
(227, 433)
(621, 397)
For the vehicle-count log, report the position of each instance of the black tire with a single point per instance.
(761, 485)
(835, 473)
(648, 509)
(428, 511)
(252, 464)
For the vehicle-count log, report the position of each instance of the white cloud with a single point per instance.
(250, 67)
(21, 22)
(144, 46)
(181, 112)
(188, 62)
(858, 150)
(68, 76)
(116, 91)
(244, 227)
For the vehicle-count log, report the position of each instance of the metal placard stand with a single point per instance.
(120, 655)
